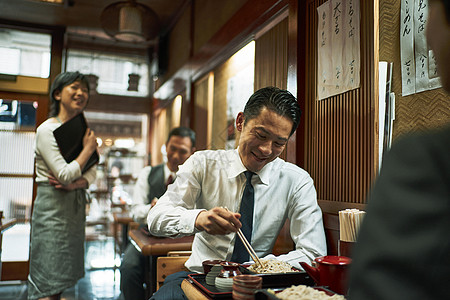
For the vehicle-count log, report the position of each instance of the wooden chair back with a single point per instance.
(166, 265)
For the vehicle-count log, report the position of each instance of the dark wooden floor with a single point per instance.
(102, 280)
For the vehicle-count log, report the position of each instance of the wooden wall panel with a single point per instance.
(210, 16)
(240, 61)
(420, 111)
(219, 111)
(271, 51)
(179, 48)
(340, 135)
(201, 93)
(158, 137)
(163, 121)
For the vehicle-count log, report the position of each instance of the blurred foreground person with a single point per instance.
(403, 248)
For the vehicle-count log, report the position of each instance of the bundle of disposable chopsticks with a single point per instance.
(349, 223)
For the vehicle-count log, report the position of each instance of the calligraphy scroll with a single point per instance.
(420, 45)
(419, 70)
(352, 35)
(407, 42)
(337, 42)
(324, 67)
(435, 81)
(338, 39)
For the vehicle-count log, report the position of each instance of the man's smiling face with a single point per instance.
(262, 138)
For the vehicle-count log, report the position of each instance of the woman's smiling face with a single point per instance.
(73, 97)
(262, 138)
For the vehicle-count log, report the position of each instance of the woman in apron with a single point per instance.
(58, 220)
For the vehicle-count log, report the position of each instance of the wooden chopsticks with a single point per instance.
(247, 245)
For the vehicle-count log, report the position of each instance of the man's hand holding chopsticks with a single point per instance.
(218, 221)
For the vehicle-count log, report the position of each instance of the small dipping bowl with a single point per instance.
(208, 264)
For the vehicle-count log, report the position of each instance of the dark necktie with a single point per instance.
(240, 254)
(169, 180)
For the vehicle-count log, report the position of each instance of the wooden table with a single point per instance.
(122, 219)
(152, 247)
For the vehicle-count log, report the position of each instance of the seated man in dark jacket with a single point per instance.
(151, 184)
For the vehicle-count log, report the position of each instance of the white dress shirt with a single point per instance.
(49, 158)
(139, 202)
(211, 179)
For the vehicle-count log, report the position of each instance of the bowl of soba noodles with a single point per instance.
(298, 292)
(276, 273)
(271, 266)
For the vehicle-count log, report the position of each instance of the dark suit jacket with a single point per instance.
(157, 186)
(403, 248)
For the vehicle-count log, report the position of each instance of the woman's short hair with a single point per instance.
(62, 80)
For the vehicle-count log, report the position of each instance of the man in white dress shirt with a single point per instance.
(151, 184)
(206, 198)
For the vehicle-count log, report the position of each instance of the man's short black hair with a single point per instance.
(277, 100)
(183, 132)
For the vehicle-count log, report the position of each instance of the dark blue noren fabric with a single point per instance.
(240, 254)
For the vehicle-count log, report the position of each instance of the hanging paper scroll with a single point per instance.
(338, 44)
(419, 70)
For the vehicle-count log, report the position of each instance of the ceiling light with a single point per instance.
(130, 21)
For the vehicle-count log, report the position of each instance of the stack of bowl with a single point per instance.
(224, 284)
(224, 281)
(212, 274)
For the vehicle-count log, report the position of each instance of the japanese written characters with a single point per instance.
(338, 39)
(419, 69)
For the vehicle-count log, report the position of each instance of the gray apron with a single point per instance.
(57, 241)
